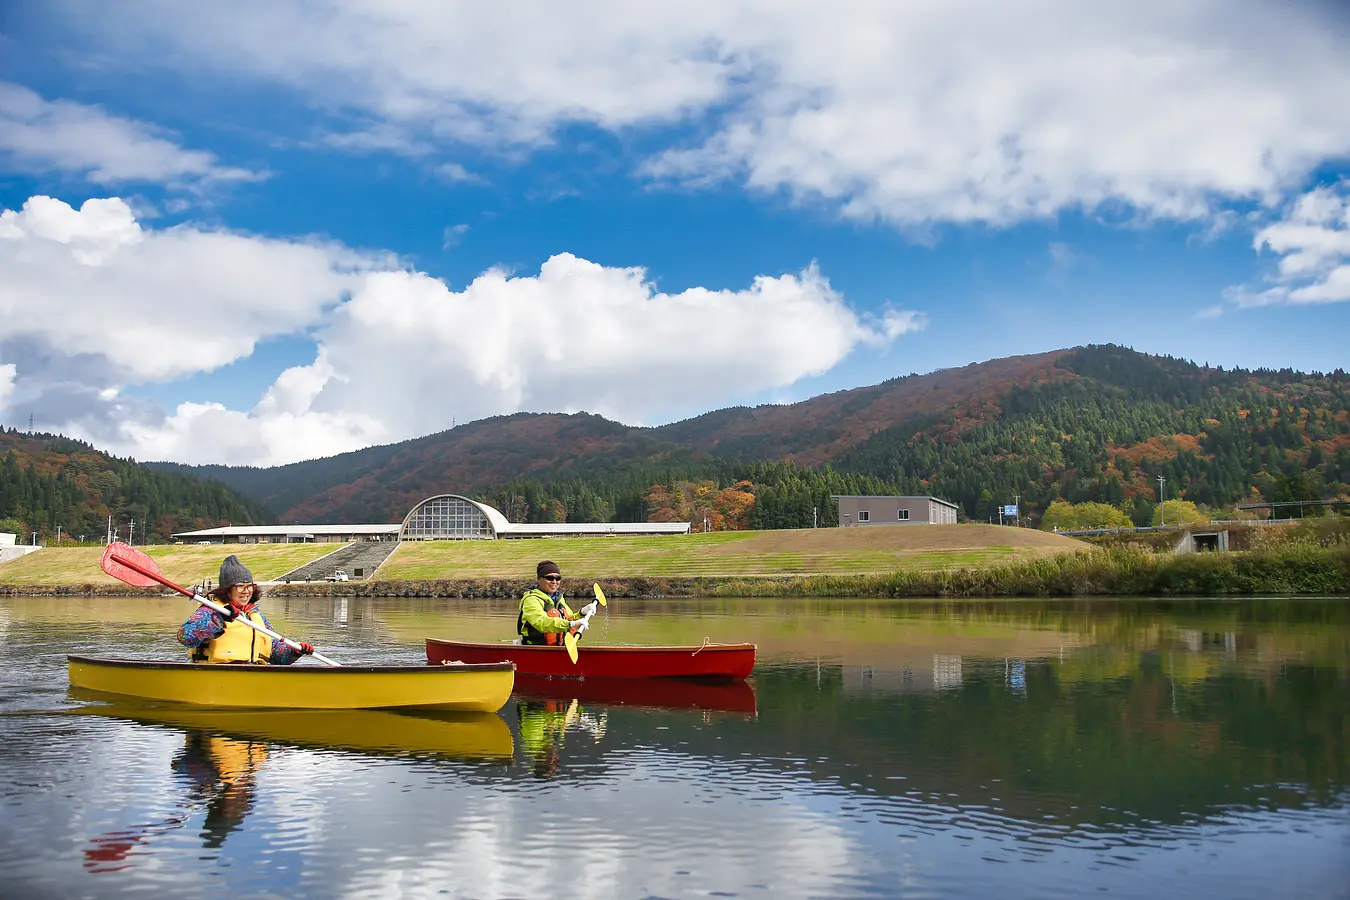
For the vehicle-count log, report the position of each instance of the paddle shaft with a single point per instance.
(211, 604)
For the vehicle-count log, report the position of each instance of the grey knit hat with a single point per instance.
(232, 571)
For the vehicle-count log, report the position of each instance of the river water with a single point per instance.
(1136, 748)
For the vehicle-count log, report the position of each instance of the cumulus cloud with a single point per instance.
(1312, 240)
(973, 111)
(157, 305)
(95, 303)
(40, 135)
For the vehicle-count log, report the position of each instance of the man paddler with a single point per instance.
(544, 614)
(216, 638)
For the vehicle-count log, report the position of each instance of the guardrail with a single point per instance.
(1079, 532)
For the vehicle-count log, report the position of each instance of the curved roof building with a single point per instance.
(448, 517)
(452, 517)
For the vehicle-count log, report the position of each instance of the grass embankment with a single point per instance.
(182, 563)
(731, 554)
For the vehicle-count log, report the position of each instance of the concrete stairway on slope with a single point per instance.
(362, 556)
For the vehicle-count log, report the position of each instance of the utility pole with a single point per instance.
(815, 512)
(109, 537)
(1017, 505)
(1162, 500)
(35, 539)
(131, 532)
(58, 535)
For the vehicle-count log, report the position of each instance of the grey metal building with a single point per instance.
(882, 510)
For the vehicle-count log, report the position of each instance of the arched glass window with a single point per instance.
(445, 518)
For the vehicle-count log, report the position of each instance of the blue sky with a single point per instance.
(314, 227)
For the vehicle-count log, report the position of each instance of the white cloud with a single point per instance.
(577, 336)
(39, 135)
(1313, 242)
(97, 303)
(911, 113)
(453, 172)
(157, 305)
(453, 234)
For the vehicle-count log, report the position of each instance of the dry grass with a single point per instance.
(182, 563)
(825, 551)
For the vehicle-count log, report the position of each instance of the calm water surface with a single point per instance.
(1013, 749)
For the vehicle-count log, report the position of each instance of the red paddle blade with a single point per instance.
(114, 562)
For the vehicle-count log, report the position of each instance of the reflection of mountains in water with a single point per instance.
(722, 695)
(385, 732)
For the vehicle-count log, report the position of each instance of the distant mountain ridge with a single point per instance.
(1090, 423)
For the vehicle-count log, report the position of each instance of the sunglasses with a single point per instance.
(553, 578)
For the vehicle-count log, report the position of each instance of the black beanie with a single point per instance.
(547, 567)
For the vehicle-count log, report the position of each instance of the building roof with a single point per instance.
(893, 497)
(571, 529)
(503, 528)
(286, 530)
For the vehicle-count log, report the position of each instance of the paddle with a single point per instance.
(126, 563)
(570, 638)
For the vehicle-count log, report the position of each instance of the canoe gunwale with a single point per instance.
(645, 650)
(178, 665)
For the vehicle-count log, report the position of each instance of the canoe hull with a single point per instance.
(458, 688)
(599, 661)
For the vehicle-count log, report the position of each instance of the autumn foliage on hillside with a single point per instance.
(51, 484)
(702, 504)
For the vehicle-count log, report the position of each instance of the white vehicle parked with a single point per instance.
(338, 575)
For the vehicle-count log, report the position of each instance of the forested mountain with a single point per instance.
(1097, 423)
(48, 481)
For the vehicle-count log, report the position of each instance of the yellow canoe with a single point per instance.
(462, 688)
(377, 731)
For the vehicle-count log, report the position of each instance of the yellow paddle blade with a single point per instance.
(570, 642)
(599, 594)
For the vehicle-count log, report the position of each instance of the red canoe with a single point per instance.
(715, 694)
(598, 661)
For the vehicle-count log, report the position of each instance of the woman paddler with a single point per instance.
(224, 639)
(544, 614)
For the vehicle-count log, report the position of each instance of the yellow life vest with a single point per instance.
(239, 643)
(233, 759)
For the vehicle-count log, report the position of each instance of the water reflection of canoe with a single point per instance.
(722, 695)
(417, 732)
(601, 661)
(461, 688)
